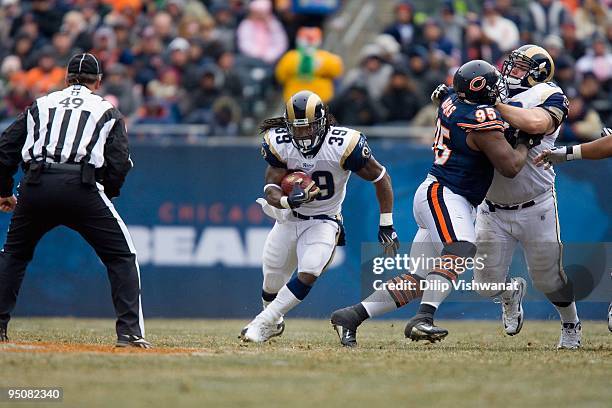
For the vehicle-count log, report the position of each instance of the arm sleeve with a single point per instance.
(481, 118)
(270, 154)
(11, 143)
(357, 156)
(557, 106)
(117, 158)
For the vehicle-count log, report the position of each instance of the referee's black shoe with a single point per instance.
(422, 328)
(3, 336)
(131, 340)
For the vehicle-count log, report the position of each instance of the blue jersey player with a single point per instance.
(469, 144)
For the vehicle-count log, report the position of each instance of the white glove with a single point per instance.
(557, 155)
(438, 94)
(279, 214)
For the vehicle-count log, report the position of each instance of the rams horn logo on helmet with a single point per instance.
(477, 83)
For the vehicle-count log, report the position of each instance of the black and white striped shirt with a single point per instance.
(73, 126)
(69, 126)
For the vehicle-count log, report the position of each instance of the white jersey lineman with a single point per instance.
(531, 180)
(524, 209)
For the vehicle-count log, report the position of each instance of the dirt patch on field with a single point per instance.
(42, 347)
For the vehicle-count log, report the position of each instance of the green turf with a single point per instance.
(475, 366)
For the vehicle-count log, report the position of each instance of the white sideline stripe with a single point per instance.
(128, 239)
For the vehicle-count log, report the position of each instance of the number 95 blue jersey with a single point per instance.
(464, 171)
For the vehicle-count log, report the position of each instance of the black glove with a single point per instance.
(439, 94)
(528, 140)
(510, 135)
(301, 195)
(388, 239)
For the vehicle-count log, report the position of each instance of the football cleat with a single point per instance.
(345, 322)
(3, 335)
(258, 331)
(512, 309)
(610, 317)
(132, 340)
(423, 328)
(571, 335)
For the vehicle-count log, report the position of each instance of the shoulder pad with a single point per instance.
(357, 152)
(543, 91)
(557, 106)
(271, 146)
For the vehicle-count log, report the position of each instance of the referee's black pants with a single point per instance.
(62, 199)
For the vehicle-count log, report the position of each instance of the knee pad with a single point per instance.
(316, 259)
(463, 249)
(562, 297)
(274, 281)
(453, 256)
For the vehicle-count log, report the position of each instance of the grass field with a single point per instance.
(201, 363)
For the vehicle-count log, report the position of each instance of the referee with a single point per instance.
(73, 147)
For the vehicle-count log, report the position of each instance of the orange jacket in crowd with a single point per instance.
(39, 82)
(120, 5)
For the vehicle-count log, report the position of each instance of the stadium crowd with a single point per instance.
(222, 62)
(399, 70)
(164, 62)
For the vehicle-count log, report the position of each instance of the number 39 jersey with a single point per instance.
(464, 171)
(343, 150)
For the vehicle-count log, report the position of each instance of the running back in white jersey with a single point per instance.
(343, 150)
(531, 180)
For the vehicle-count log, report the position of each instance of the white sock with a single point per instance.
(568, 314)
(379, 303)
(440, 288)
(284, 302)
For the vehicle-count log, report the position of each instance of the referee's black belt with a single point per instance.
(62, 168)
(313, 217)
(493, 206)
(54, 167)
(34, 170)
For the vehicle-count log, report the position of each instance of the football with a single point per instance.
(290, 179)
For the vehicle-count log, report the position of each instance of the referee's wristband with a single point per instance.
(386, 219)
